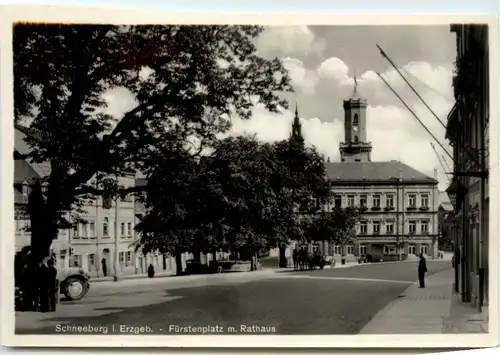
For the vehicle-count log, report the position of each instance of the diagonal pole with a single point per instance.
(414, 114)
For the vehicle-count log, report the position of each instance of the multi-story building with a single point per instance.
(468, 132)
(398, 204)
(106, 232)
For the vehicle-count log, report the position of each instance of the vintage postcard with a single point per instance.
(201, 180)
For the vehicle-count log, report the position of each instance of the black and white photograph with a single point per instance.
(198, 179)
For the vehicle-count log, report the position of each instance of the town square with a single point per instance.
(247, 179)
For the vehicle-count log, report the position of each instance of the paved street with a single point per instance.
(331, 301)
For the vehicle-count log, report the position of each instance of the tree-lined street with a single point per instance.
(331, 301)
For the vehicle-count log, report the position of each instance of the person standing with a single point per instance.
(104, 267)
(151, 271)
(52, 284)
(422, 269)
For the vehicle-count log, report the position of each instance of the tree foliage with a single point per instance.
(187, 82)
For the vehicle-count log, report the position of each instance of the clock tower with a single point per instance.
(355, 148)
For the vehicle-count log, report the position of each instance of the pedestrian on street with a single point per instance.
(104, 267)
(52, 285)
(422, 269)
(151, 271)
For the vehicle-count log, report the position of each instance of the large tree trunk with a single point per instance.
(282, 257)
(178, 263)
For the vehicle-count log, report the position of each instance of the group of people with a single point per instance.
(40, 291)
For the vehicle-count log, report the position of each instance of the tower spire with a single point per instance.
(355, 89)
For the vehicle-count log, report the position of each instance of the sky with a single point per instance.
(322, 62)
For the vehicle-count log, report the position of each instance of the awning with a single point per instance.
(456, 192)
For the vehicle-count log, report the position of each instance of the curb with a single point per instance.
(110, 281)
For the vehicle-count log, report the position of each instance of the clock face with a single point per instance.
(356, 128)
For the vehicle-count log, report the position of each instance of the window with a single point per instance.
(412, 200)
(412, 227)
(84, 229)
(412, 249)
(362, 227)
(376, 227)
(356, 139)
(362, 249)
(76, 261)
(390, 249)
(355, 121)
(362, 201)
(92, 229)
(424, 227)
(350, 200)
(122, 229)
(338, 201)
(76, 230)
(91, 260)
(128, 260)
(424, 201)
(389, 228)
(376, 201)
(121, 257)
(389, 201)
(105, 227)
(337, 250)
(350, 249)
(129, 228)
(423, 249)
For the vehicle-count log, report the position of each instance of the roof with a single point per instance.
(20, 146)
(375, 172)
(23, 171)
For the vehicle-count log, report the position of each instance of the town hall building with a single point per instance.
(398, 204)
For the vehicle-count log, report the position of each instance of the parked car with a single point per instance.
(74, 283)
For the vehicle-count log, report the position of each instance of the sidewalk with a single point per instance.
(432, 310)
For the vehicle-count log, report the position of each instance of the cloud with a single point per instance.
(271, 127)
(390, 129)
(302, 79)
(287, 40)
(336, 69)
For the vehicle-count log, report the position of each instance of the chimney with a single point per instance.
(400, 174)
(435, 174)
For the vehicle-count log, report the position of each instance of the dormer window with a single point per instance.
(355, 121)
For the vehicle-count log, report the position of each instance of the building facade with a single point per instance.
(468, 133)
(105, 231)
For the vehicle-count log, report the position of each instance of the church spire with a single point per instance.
(297, 128)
